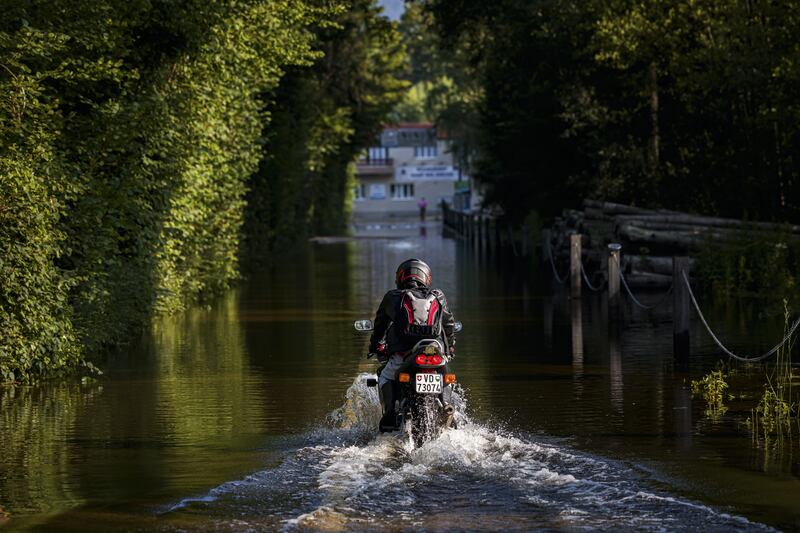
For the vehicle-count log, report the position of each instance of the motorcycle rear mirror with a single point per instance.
(458, 327)
(363, 325)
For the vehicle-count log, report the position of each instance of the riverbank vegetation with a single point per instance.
(758, 264)
(146, 145)
(684, 106)
(764, 398)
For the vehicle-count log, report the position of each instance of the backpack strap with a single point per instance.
(436, 294)
(406, 304)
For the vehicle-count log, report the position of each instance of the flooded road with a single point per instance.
(251, 414)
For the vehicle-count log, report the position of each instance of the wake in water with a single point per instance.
(348, 477)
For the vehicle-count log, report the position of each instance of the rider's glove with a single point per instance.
(379, 351)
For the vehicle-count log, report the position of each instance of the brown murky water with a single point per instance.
(251, 414)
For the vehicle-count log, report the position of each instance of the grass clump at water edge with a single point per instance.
(776, 415)
(712, 389)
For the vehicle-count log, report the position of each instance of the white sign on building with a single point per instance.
(426, 173)
(377, 191)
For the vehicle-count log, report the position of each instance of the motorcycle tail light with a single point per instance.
(403, 377)
(428, 360)
(449, 379)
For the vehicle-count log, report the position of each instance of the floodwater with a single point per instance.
(251, 414)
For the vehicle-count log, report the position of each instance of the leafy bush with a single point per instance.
(760, 264)
(129, 132)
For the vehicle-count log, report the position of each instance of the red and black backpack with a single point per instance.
(420, 315)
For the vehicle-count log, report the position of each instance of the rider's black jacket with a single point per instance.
(396, 341)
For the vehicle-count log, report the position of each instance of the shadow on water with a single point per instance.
(251, 414)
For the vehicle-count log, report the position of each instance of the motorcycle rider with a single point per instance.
(391, 343)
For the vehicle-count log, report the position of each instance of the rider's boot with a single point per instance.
(389, 420)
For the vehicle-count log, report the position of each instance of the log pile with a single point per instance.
(649, 238)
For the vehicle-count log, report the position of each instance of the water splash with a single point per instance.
(361, 410)
(349, 477)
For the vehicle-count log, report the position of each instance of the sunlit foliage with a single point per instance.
(129, 132)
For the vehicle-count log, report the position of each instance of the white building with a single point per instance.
(411, 162)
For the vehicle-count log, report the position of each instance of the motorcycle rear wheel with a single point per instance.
(427, 420)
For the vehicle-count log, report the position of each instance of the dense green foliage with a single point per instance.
(446, 87)
(756, 265)
(687, 105)
(322, 118)
(129, 132)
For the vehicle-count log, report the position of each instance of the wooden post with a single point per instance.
(575, 265)
(470, 229)
(614, 262)
(680, 312)
(484, 228)
(524, 246)
(471, 222)
(546, 235)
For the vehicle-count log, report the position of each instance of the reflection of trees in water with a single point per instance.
(298, 315)
(205, 390)
(191, 392)
(36, 424)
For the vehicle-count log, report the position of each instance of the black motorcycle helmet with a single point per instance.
(413, 273)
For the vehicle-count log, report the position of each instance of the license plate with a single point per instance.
(429, 383)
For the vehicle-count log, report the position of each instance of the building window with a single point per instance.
(426, 152)
(402, 191)
(377, 155)
(360, 191)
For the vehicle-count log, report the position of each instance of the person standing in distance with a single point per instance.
(423, 205)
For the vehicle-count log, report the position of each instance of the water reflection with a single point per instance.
(682, 417)
(615, 369)
(576, 316)
(35, 464)
(220, 392)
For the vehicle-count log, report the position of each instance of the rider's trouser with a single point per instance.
(389, 372)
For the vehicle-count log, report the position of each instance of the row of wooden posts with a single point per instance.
(483, 231)
(680, 293)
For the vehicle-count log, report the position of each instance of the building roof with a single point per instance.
(409, 126)
(441, 134)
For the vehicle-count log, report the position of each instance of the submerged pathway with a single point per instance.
(251, 414)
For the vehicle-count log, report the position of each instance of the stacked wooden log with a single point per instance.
(649, 238)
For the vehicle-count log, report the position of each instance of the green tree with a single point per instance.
(686, 105)
(128, 135)
(322, 118)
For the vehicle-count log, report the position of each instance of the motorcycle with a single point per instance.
(425, 388)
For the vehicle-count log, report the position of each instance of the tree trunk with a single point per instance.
(696, 220)
(655, 140)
